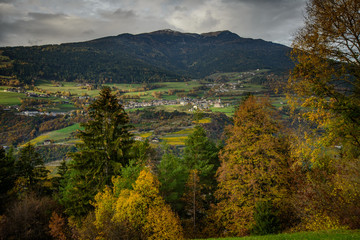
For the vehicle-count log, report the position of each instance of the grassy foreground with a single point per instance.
(327, 235)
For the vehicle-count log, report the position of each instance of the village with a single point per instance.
(192, 103)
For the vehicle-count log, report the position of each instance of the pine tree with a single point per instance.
(104, 150)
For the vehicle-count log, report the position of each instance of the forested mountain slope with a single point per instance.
(147, 57)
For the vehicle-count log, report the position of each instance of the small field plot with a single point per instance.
(58, 136)
(278, 101)
(10, 98)
(177, 138)
(229, 111)
(72, 87)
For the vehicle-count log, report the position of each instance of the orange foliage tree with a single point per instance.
(254, 166)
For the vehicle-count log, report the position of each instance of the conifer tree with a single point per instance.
(201, 154)
(106, 141)
(30, 168)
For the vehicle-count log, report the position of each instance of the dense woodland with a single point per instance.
(265, 177)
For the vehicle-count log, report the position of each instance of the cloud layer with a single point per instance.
(37, 22)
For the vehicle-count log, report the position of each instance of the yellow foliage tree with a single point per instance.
(140, 213)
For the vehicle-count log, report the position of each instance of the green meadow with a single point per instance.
(10, 98)
(320, 235)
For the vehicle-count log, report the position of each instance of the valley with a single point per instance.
(161, 112)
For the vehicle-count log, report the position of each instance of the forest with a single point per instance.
(264, 176)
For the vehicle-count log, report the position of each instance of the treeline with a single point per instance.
(81, 64)
(260, 181)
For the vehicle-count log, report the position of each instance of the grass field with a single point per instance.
(10, 98)
(321, 235)
(229, 111)
(71, 87)
(61, 135)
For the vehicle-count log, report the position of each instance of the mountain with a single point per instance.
(146, 57)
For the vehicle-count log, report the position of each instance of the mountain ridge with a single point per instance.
(160, 55)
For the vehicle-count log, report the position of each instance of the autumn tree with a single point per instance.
(254, 166)
(324, 88)
(140, 213)
(326, 80)
(104, 150)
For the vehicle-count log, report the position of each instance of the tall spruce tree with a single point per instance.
(106, 142)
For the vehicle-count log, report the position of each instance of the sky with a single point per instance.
(39, 22)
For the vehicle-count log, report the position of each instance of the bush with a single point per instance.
(266, 220)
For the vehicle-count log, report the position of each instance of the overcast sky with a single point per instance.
(38, 22)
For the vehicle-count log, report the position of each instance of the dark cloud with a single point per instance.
(27, 22)
(118, 14)
(45, 16)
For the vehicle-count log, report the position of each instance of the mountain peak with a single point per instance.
(215, 34)
(166, 31)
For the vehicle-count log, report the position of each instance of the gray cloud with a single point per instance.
(29, 22)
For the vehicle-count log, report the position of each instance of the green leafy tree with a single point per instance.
(106, 142)
(266, 219)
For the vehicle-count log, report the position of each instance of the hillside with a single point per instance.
(147, 57)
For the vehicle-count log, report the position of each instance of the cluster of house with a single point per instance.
(152, 103)
(37, 113)
(195, 103)
(16, 90)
